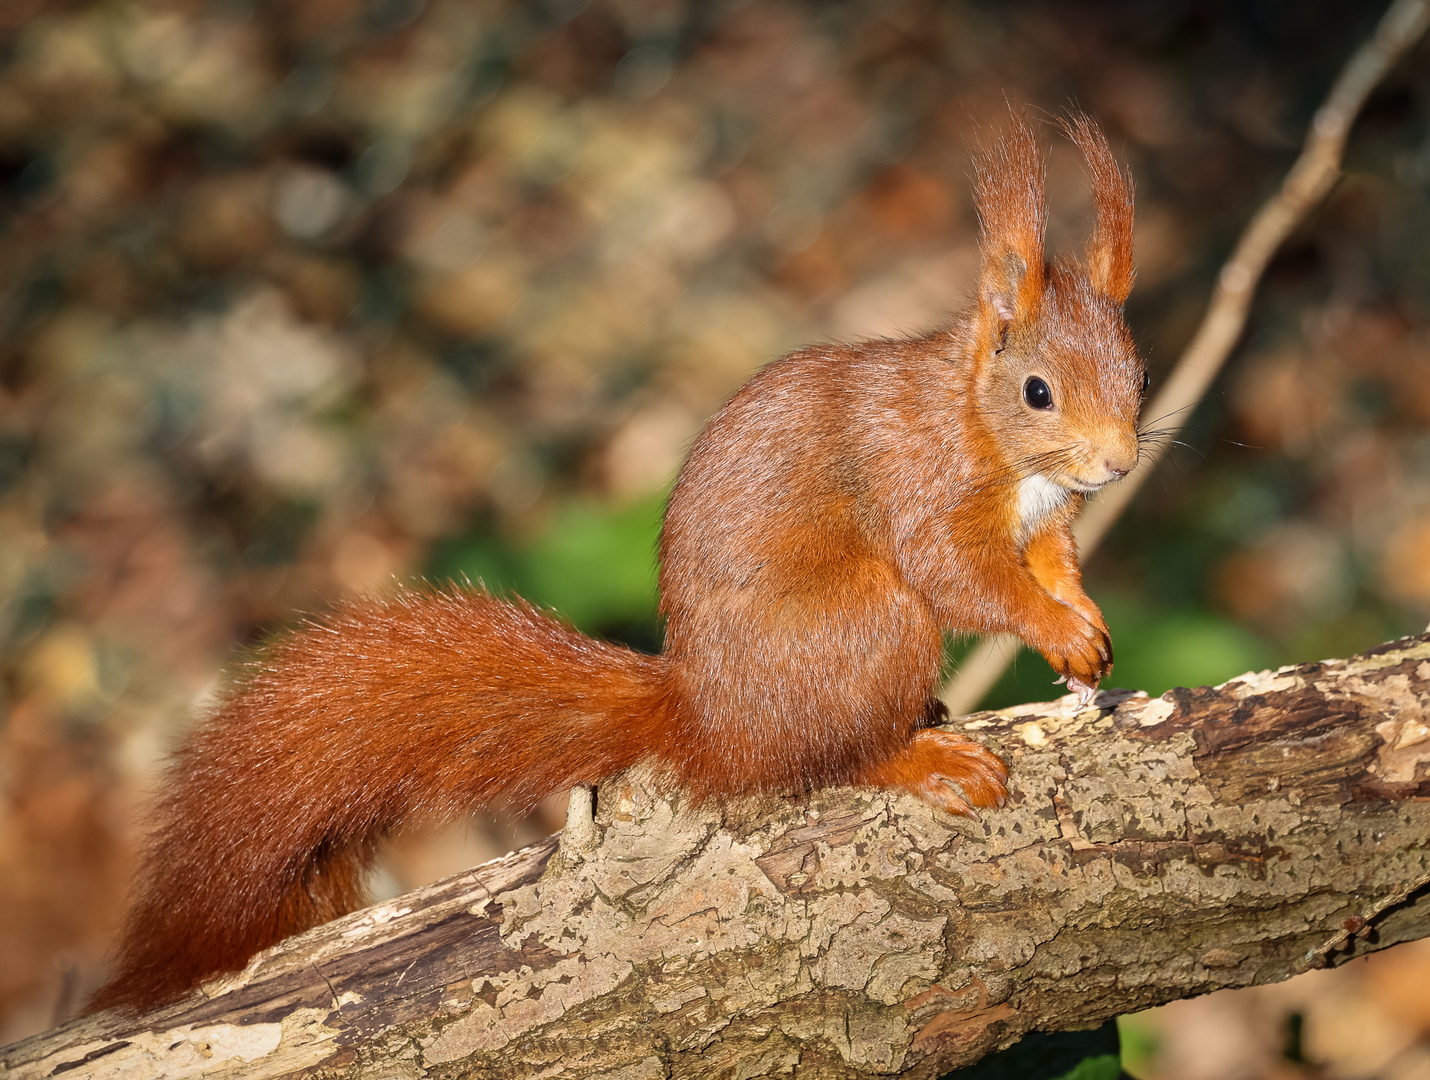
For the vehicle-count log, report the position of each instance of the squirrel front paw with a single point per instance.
(933, 760)
(1081, 653)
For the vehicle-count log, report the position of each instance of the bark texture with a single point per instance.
(1152, 849)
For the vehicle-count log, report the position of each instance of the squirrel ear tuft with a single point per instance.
(1002, 285)
(1009, 187)
(1109, 252)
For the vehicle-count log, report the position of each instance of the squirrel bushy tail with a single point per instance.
(427, 706)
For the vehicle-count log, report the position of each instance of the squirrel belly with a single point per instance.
(843, 510)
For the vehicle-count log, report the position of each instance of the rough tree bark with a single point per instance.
(1152, 849)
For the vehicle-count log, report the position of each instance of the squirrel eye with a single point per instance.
(1037, 394)
(1146, 382)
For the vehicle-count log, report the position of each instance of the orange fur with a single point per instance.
(848, 505)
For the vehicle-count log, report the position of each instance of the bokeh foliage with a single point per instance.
(305, 297)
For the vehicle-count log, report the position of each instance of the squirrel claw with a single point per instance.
(1084, 691)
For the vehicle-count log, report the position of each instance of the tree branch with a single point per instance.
(1151, 849)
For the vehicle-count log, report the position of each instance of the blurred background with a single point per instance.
(299, 297)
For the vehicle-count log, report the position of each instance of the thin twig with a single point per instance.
(1310, 178)
(1361, 925)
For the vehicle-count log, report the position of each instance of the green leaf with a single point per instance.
(595, 564)
(592, 563)
(1052, 1055)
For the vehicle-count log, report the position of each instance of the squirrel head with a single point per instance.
(1057, 374)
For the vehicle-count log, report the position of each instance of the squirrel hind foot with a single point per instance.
(934, 761)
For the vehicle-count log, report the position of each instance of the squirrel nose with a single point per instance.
(1119, 454)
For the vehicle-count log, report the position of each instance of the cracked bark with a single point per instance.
(1152, 849)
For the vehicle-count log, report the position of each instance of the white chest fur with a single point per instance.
(1037, 498)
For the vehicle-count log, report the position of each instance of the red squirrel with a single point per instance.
(849, 504)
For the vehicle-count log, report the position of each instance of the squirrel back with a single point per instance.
(848, 506)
